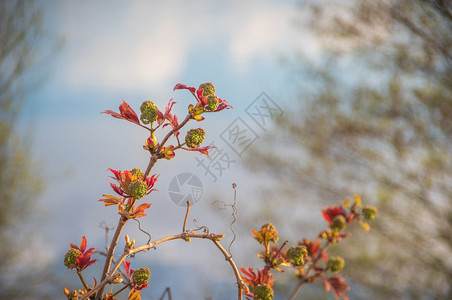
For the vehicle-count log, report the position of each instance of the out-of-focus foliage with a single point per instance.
(375, 118)
(20, 179)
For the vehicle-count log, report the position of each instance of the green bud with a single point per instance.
(212, 102)
(268, 233)
(335, 263)
(137, 172)
(141, 275)
(70, 258)
(148, 112)
(296, 255)
(338, 222)
(137, 189)
(369, 212)
(195, 137)
(208, 89)
(263, 292)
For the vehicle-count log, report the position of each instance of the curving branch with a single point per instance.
(215, 238)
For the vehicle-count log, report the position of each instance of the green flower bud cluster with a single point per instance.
(208, 89)
(137, 189)
(209, 93)
(70, 258)
(148, 112)
(263, 292)
(212, 103)
(137, 172)
(296, 255)
(338, 223)
(195, 137)
(141, 276)
(369, 212)
(335, 263)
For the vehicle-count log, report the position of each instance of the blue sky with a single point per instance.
(138, 50)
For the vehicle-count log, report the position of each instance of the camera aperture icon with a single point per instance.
(183, 187)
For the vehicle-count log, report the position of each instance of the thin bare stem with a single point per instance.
(279, 250)
(186, 216)
(166, 292)
(122, 289)
(165, 139)
(127, 252)
(82, 280)
(111, 250)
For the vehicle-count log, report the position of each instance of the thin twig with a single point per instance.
(166, 292)
(234, 216)
(82, 280)
(186, 216)
(165, 139)
(143, 231)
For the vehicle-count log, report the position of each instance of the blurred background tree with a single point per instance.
(373, 117)
(21, 182)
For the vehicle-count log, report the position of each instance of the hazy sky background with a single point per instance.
(138, 50)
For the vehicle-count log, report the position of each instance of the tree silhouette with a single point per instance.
(375, 118)
(20, 179)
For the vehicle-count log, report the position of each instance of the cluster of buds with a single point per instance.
(148, 112)
(74, 295)
(207, 100)
(297, 255)
(308, 258)
(263, 292)
(139, 278)
(260, 284)
(267, 234)
(195, 137)
(335, 263)
(129, 244)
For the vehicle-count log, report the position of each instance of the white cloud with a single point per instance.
(137, 44)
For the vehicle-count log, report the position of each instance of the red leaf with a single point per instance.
(128, 112)
(203, 150)
(126, 265)
(83, 244)
(181, 86)
(139, 211)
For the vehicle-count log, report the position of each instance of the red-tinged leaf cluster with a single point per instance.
(205, 102)
(202, 103)
(253, 279)
(267, 234)
(313, 249)
(329, 213)
(84, 258)
(309, 259)
(126, 206)
(337, 286)
(125, 178)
